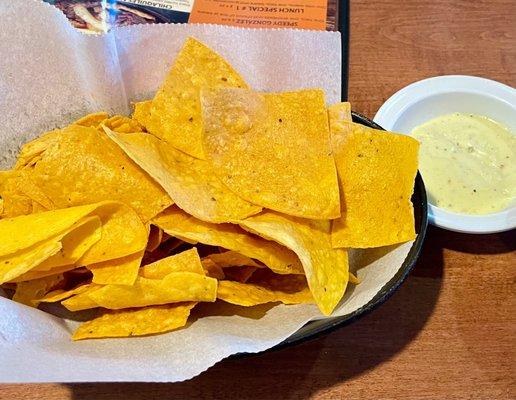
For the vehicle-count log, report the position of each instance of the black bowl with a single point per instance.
(317, 328)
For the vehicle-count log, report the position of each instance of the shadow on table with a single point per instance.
(302, 370)
(476, 244)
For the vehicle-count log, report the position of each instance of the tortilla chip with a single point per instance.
(190, 182)
(92, 120)
(21, 232)
(120, 271)
(20, 262)
(237, 267)
(122, 124)
(246, 294)
(81, 300)
(212, 269)
(285, 283)
(233, 259)
(273, 149)
(31, 152)
(326, 268)
(59, 295)
(117, 123)
(47, 256)
(85, 234)
(123, 234)
(137, 322)
(155, 238)
(142, 112)
(175, 114)
(186, 261)
(376, 172)
(338, 113)
(83, 166)
(37, 208)
(14, 201)
(30, 293)
(354, 279)
(185, 227)
(20, 194)
(173, 288)
(34, 273)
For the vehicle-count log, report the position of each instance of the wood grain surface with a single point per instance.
(449, 332)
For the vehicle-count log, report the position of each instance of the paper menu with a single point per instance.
(100, 15)
(51, 74)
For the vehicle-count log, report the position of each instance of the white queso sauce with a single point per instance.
(468, 163)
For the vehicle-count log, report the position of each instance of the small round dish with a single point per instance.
(430, 98)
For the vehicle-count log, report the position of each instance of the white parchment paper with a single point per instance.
(51, 74)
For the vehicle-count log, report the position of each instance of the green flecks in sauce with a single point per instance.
(468, 163)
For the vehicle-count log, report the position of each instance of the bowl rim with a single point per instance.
(387, 290)
(390, 111)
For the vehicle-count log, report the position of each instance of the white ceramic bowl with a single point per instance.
(430, 98)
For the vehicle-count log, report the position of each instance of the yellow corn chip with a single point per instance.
(137, 322)
(175, 114)
(92, 120)
(82, 300)
(20, 194)
(186, 261)
(142, 112)
(83, 166)
(376, 172)
(339, 113)
(237, 267)
(59, 295)
(212, 269)
(155, 238)
(85, 234)
(28, 241)
(30, 293)
(39, 263)
(14, 201)
(232, 259)
(24, 183)
(18, 263)
(122, 124)
(31, 152)
(120, 271)
(185, 227)
(123, 234)
(246, 294)
(117, 123)
(354, 279)
(34, 273)
(326, 268)
(273, 150)
(190, 182)
(37, 208)
(284, 283)
(24, 231)
(173, 288)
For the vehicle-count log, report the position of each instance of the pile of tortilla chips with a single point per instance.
(209, 192)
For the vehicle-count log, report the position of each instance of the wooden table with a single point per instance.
(449, 332)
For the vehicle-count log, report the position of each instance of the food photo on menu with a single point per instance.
(192, 181)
